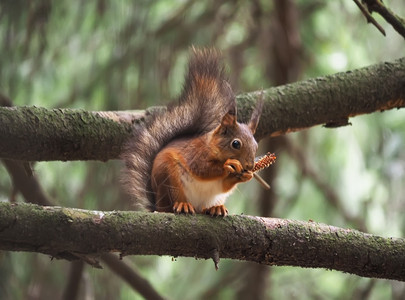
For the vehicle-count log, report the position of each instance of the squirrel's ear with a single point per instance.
(229, 119)
(254, 119)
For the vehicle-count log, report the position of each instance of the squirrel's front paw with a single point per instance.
(219, 210)
(246, 176)
(183, 207)
(233, 166)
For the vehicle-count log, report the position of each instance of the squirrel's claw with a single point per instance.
(219, 210)
(229, 168)
(183, 207)
(233, 166)
(246, 176)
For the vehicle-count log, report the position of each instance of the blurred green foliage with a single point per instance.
(117, 55)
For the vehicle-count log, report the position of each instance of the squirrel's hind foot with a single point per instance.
(219, 210)
(183, 207)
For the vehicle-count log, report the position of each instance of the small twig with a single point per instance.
(378, 6)
(369, 17)
(396, 21)
(261, 181)
(215, 257)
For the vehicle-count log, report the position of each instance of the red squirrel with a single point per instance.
(189, 158)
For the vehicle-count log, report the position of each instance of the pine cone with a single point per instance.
(264, 162)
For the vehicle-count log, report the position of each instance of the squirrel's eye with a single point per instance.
(236, 144)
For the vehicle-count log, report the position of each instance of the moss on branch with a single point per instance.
(57, 231)
(38, 134)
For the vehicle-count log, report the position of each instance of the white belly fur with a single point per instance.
(204, 193)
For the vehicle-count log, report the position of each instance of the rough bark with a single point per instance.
(331, 100)
(37, 134)
(57, 231)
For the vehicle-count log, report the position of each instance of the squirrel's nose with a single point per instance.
(249, 166)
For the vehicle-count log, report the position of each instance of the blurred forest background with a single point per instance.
(120, 55)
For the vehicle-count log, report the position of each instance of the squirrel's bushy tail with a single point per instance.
(205, 99)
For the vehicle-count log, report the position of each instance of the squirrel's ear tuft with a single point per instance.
(254, 119)
(229, 119)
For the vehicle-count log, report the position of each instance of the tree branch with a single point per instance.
(368, 16)
(26, 183)
(56, 231)
(40, 134)
(396, 21)
(71, 291)
(322, 184)
(131, 276)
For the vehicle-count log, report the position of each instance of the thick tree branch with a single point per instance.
(37, 134)
(56, 231)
